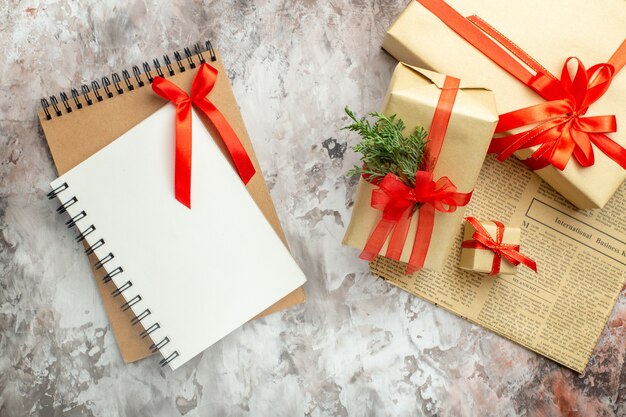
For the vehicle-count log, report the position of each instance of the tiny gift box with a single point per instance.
(555, 68)
(481, 259)
(464, 130)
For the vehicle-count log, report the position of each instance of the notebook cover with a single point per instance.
(76, 136)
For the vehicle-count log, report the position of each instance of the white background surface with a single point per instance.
(358, 347)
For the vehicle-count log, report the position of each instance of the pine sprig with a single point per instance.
(385, 149)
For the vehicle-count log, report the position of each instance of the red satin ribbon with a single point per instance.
(560, 128)
(202, 85)
(398, 201)
(481, 239)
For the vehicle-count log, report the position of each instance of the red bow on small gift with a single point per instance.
(561, 129)
(481, 239)
(203, 83)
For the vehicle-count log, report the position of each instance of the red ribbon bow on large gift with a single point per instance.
(481, 239)
(561, 129)
(398, 201)
(202, 85)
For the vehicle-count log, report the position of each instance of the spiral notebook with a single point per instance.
(156, 250)
(77, 125)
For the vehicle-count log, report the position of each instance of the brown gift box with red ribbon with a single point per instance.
(481, 260)
(563, 111)
(413, 95)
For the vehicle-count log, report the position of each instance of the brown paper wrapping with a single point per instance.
(76, 136)
(549, 31)
(412, 95)
(481, 260)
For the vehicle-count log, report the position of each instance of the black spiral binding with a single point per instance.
(106, 82)
(119, 291)
(85, 89)
(95, 87)
(75, 95)
(65, 99)
(168, 64)
(92, 94)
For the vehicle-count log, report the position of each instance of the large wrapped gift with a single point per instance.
(460, 120)
(568, 135)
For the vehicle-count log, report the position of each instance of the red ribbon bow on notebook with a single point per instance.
(398, 201)
(202, 85)
(560, 128)
(481, 239)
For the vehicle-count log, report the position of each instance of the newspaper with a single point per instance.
(581, 255)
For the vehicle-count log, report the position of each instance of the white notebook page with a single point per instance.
(201, 272)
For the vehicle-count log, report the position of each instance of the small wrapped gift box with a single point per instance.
(574, 116)
(414, 96)
(491, 247)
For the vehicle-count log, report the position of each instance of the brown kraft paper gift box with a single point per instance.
(412, 95)
(481, 260)
(549, 31)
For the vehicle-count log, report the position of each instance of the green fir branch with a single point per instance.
(385, 149)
